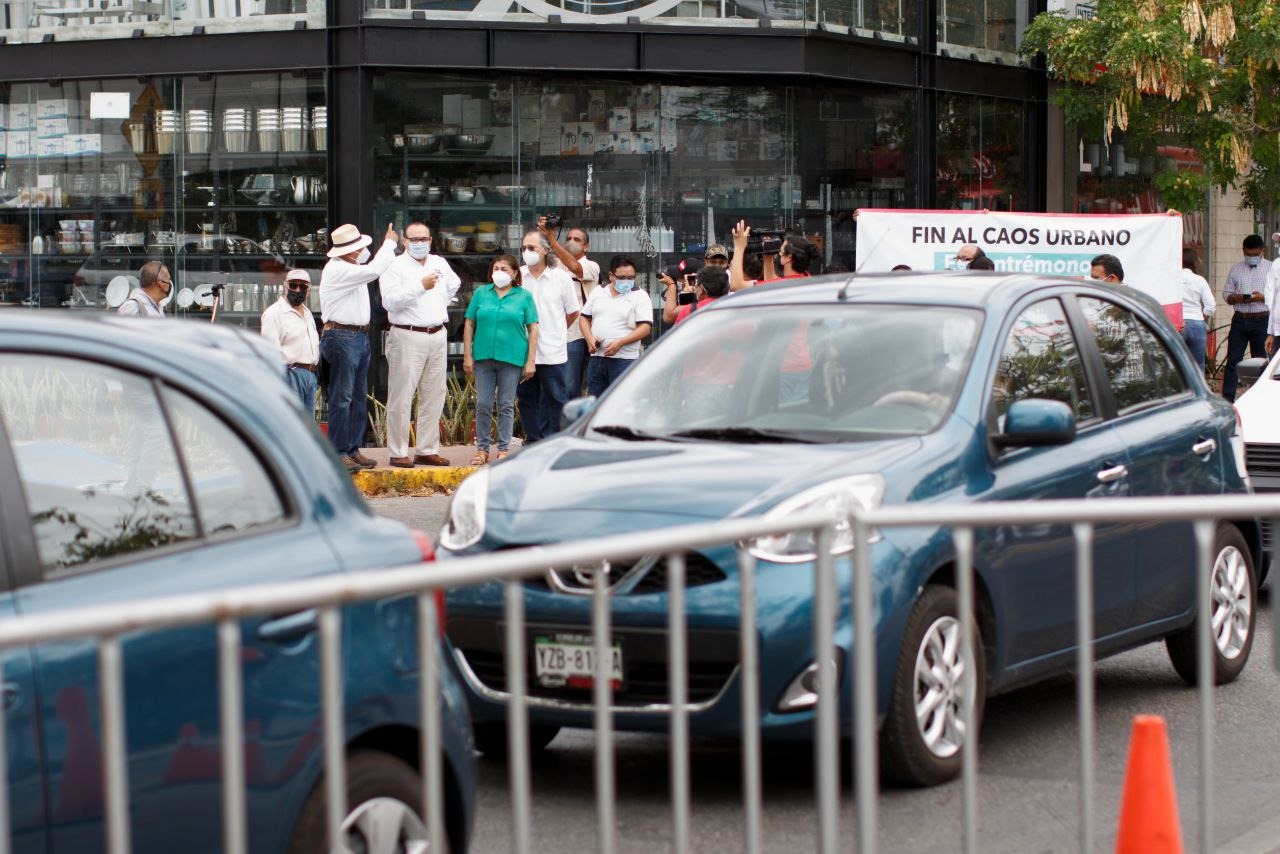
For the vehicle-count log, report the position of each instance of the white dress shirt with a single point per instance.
(1197, 299)
(343, 296)
(407, 302)
(295, 334)
(1269, 295)
(556, 295)
(586, 287)
(139, 304)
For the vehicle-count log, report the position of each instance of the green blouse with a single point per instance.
(502, 324)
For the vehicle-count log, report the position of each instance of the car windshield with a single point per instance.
(834, 373)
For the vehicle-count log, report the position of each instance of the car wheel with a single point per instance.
(1234, 603)
(491, 738)
(383, 798)
(922, 735)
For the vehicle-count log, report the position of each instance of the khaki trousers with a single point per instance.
(416, 361)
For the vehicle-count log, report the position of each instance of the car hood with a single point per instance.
(1259, 408)
(709, 480)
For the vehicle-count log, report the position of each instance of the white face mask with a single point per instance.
(575, 247)
(420, 250)
(501, 278)
(364, 256)
(530, 257)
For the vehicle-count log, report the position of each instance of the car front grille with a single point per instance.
(713, 659)
(1263, 464)
(652, 572)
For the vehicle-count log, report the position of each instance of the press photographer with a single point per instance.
(794, 256)
(679, 281)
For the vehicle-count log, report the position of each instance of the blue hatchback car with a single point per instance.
(141, 459)
(832, 393)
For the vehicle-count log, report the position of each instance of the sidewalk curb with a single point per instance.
(374, 482)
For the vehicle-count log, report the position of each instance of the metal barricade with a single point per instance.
(226, 608)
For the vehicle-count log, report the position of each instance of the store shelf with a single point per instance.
(260, 208)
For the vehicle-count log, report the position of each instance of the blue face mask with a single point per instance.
(624, 286)
(1253, 260)
(954, 263)
(420, 250)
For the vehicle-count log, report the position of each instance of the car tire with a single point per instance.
(910, 754)
(491, 738)
(1234, 595)
(379, 786)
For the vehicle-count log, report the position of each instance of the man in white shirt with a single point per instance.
(344, 308)
(574, 251)
(155, 284)
(416, 290)
(542, 397)
(614, 322)
(289, 325)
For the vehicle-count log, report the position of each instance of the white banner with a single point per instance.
(1149, 246)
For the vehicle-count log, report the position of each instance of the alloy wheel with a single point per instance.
(942, 687)
(1232, 602)
(385, 826)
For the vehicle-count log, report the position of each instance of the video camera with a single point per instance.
(766, 241)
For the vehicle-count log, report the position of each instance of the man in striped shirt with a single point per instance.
(1246, 292)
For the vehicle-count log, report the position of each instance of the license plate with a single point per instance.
(569, 661)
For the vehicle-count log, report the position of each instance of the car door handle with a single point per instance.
(1113, 474)
(11, 694)
(289, 627)
(1204, 446)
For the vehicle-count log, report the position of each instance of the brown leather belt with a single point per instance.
(347, 326)
(302, 367)
(430, 330)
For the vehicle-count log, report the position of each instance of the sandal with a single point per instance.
(502, 455)
(480, 458)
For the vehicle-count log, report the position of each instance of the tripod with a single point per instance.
(216, 290)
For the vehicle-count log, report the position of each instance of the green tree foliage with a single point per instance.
(1205, 73)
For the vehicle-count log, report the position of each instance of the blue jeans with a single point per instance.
(577, 368)
(1196, 334)
(541, 400)
(503, 377)
(603, 372)
(347, 353)
(303, 382)
(1247, 330)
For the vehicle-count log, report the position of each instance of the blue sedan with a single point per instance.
(836, 393)
(141, 459)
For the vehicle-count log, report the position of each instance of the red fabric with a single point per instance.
(686, 310)
(797, 360)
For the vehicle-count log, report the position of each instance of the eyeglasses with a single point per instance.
(298, 286)
(419, 239)
(530, 248)
(165, 281)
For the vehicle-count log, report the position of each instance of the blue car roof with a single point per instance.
(959, 288)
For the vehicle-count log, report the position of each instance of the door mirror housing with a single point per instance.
(1249, 370)
(1035, 422)
(576, 409)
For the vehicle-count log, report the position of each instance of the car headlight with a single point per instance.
(466, 513)
(838, 497)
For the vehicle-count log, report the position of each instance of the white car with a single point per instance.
(1258, 409)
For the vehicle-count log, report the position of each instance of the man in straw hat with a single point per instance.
(344, 308)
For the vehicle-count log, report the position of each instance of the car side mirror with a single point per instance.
(1249, 370)
(1034, 422)
(575, 409)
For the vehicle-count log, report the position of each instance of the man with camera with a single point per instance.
(543, 396)
(713, 283)
(794, 255)
(614, 321)
(586, 276)
(680, 282)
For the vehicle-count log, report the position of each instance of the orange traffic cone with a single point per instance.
(1149, 808)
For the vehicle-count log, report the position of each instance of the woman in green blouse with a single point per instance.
(499, 341)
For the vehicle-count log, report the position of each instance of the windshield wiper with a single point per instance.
(742, 434)
(622, 431)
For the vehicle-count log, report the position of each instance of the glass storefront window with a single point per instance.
(893, 20)
(657, 172)
(221, 178)
(980, 154)
(73, 20)
(984, 30)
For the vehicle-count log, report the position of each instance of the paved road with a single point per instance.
(1027, 782)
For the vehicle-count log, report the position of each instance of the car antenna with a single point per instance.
(844, 290)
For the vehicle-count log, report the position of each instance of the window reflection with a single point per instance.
(1041, 360)
(96, 461)
(1140, 367)
(981, 164)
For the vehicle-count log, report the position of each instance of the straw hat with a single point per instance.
(347, 239)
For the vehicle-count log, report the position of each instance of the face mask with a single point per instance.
(364, 256)
(624, 286)
(501, 278)
(296, 298)
(954, 263)
(530, 257)
(1253, 260)
(420, 250)
(574, 247)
